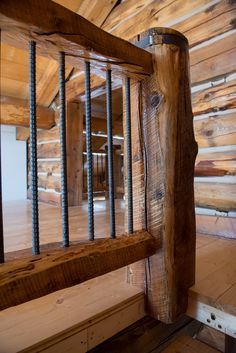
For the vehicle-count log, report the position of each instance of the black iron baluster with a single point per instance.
(129, 156)
(110, 154)
(64, 195)
(33, 147)
(1, 212)
(89, 152)
(83, 173)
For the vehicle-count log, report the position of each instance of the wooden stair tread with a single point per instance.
(91, 312)
(212, 299)
(186, 344)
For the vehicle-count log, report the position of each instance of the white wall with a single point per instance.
(14, 174)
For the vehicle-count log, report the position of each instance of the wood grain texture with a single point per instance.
(16, 112)
(57, 29)
(111, 306)
(162, 136)
(97, 11)
(74, 152)
(211, 22)
(213, 60)
(214, 99)
(49, 150)
(32, 277)
(216, 163)
(131, 19)
(220, 196)
(217, 130)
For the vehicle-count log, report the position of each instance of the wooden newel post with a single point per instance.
(163, 156)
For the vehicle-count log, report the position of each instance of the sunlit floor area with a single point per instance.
(17, 222)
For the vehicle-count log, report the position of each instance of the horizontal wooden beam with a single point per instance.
(56, 29)
(31, 277)
(15, 112)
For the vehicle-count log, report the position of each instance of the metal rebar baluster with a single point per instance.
(64, 195)
(110, 154)
(33, 147)
(129, 156)
(83, 173)
(1, 213)
(89, 152)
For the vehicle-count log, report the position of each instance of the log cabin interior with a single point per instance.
(118, 184)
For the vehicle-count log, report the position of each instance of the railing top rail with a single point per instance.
(56, 29)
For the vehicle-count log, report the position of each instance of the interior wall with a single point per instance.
(14, 165)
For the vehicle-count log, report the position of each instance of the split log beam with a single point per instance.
(216, 195)
(15, 112)
(163, 146)
(31, 277)
(216, 163)
(214, 99)
(216, 130)
(55, 29)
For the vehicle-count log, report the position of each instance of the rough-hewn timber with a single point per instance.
(55, 29)
(56, 268)
(164, 146)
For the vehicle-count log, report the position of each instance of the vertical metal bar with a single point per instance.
(1, 211)
(64, 194)
(33, 147)
(129, 155)
(89, 152)
(110, 155)
(83, 173)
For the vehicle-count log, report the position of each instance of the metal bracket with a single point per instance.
(155, 37)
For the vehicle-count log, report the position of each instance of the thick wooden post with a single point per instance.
(74, 153)
(163, 154)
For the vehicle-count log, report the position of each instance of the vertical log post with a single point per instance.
(74, 138)
(163, 155)
(118, 176)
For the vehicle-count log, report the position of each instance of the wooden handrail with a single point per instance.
(56, 29)
(30, 277)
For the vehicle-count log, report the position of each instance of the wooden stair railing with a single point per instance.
(159, 158)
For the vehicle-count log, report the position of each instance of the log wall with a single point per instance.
(49, 172)
(210, 27)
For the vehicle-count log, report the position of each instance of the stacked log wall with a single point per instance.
(210, 27)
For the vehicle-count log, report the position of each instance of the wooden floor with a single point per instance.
(17, 222)
(216, 257)
(212, 299)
